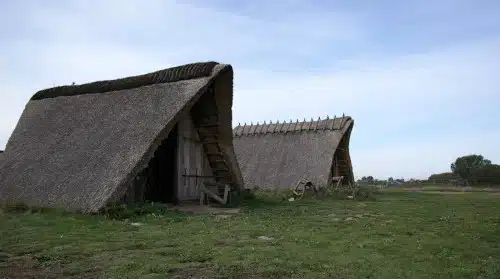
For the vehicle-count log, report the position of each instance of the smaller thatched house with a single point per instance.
(277, 156)
(153, 137)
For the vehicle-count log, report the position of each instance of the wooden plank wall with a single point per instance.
(191, 161)
(335, 168)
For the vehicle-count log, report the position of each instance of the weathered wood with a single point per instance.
(207, 192)
(210, 142)
(337, 181)
(221, 161)
(214, 184)
(192, 161)
(210, 125)
(219, 154)
(302, 187)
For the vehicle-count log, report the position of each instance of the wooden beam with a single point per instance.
(210, 142)
(206, 192)
(211, 125)
(219, 154)
(214, 184)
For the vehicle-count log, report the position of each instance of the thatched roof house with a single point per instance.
(149, 137)
(277, 156)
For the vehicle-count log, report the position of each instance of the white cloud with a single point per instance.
(80, 42)
(376, 91)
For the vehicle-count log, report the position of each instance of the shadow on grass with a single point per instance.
(260, 202)
(21, 208)
(111, 211)
(267, 200)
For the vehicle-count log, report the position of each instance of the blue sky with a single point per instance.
(420, 78)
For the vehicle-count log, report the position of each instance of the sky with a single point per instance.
(419, 78)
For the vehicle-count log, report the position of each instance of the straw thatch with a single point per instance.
(80, 147)
(277, 156)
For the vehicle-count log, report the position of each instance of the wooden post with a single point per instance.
(196, 177)
(185, 178)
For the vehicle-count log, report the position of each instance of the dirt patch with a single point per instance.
(28, 267)
(192, 272)
(196, 208)
(207, 271)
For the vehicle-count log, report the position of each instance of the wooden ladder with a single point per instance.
(208, 134)
(343, 164)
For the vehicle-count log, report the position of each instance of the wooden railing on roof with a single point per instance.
(331, 124)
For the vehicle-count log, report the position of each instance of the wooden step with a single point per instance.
(210, 142)
(213, 154)
(208, 125)
(218, 161)
(208, 137)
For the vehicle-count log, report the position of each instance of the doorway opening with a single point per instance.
(161, 180)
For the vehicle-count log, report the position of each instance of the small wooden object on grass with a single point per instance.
(302, 187)
(209, 189)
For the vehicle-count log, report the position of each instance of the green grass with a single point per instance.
(400, 235)
(444, 188)
(459, 189)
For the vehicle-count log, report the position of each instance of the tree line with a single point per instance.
(469, 170)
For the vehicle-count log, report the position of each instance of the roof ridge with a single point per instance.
(326, 124)
(172, 74)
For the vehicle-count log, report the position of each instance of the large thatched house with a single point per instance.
(277, 156)
(151, 137)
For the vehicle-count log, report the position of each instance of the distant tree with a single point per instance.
(367, 179)
(390, 180)
(412, 181)
(489, 174)
(370, 179)
(464, 166)
(443, 176)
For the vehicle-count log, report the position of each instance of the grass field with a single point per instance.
(401, 235)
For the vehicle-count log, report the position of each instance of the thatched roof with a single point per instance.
(79, 147)
(278, 155)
